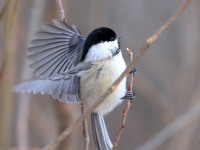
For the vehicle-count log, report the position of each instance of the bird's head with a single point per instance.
(101, 43)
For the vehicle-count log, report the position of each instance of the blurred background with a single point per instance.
(167, 83)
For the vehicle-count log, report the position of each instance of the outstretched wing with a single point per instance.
(58, 48)
(62, 90)
(64, 87)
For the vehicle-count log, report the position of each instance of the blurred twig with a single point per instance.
(85, 130)
(7, 75)
(2, 67)
(24, 99)
(125, 112)
(63, 109)
(113, 87)
(2, 14)
(3, 11)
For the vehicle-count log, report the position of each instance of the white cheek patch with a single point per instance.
(102, 50)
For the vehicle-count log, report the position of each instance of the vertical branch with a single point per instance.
(24, 99)
(85, 130)
(3, 11)
(61, 10)
(85, 125)
(2, 14)
(7, 75)
(63, 110)
(125, 112)
(2, 67)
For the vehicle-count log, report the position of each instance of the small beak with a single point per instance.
(119, 37)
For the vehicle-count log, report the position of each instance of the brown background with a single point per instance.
(167, 82)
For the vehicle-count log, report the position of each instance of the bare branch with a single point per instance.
(3, 11)
(24, 100)
(86, 137)
(2, 67)
(125, 112)
(113, 87)
(8, 73)
(85, 125)
(61, 10)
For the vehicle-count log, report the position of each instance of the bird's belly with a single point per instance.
(96, 81)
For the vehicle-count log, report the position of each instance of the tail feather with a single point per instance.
(107, 137)
(100, 133)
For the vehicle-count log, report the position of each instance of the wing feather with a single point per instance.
(57, 49)
(40, 42)
(59, 89)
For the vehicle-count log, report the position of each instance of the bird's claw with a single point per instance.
(129, 95)
(133, 70)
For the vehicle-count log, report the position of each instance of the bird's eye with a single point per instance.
(112, 39)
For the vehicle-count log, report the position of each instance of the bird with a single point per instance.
(75, 69)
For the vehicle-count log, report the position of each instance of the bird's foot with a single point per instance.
(133, 70)
(129, 95)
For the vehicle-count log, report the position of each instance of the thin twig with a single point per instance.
(2, 68)
(61, 10)
(125, 112)
(3, 11)
(2, 14)
(85, 125)
(24, 99)
(85, 130)
(113, 87)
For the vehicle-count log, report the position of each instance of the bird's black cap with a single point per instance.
(98, 35)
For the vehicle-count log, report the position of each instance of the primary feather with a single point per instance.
(57, 49)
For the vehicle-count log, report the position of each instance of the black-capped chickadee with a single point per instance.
(74, 69)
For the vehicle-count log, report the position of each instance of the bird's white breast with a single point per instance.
(99, 78)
